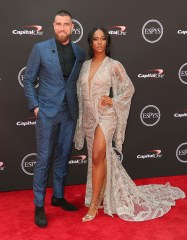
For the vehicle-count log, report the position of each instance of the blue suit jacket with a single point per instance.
(44, 63)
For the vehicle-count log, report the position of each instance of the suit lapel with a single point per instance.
(56, 63)
(77, 56)
(55, 60)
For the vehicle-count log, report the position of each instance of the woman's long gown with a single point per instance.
(122, 196)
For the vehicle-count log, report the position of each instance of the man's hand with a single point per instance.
(36, 110)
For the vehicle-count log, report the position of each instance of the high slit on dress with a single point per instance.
(122, 196)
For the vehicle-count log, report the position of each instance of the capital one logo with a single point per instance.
(117, 30)
(152, 31)
(181, 115)
(183, 73)
(28, 122)
(28, 163)
(21, 77)
(181, 152)
(2, 167)
(152, 73)
(77, 32)
(33, 30)
(150, 115)
(79, 159)
(182, 32)
(153, 154)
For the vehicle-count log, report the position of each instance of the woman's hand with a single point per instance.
(105, 100)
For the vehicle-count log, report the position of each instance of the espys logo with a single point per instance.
(77, 32)
(120, 155)
(153, 154)
(21, 77)
(183, 73)
(152, 31)
(153, 73)
(181, 152)
(28, 163)
(2, 167)
(117, 30)
(181, 115)
(79, 159)
(30, 122)
(150, 115)
(32, 30)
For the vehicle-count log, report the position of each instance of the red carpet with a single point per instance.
(16, 218)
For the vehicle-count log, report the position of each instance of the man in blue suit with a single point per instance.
(57, 63)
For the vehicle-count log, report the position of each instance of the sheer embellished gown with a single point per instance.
(121, 196)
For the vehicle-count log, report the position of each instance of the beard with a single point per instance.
(63, 38)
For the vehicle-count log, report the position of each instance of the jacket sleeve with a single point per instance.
(123, 91)
(31, 74)
(79, 132)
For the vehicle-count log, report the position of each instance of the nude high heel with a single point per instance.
(89, 217)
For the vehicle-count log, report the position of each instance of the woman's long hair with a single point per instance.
(90, 41)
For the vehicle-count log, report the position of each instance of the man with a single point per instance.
(57, 63)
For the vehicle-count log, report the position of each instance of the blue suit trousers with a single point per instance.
(52, 133)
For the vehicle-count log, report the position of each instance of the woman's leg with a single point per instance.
(98, 168)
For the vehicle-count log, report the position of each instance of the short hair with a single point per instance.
(90, 40)
(63, 13)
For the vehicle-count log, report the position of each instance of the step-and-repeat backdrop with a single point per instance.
(149, 38)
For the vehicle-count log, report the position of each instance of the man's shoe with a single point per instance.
(61, 202)
(40, 218)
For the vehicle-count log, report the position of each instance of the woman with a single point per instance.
(102, 120)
